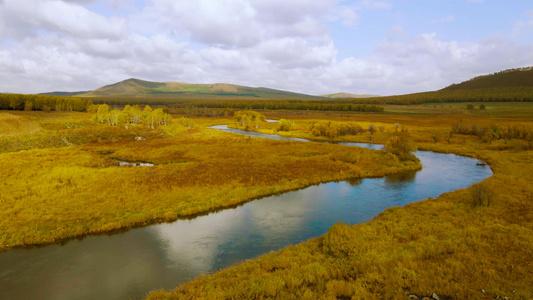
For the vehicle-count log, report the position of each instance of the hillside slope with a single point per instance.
(140, 88)
(522, 77)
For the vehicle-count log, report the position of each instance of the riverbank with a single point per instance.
(73, 186)
(474, 243)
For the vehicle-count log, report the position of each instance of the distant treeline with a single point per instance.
(45, 102)
(502, 94)
(496, 132)
(42, 102)
(505, 94)
(520, 77)
(324, 105)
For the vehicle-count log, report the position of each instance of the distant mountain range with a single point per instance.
(140, 88)
(522, 77)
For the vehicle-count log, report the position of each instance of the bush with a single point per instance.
(401, 146)
(284, 125)
(335, 129)
(481, 195)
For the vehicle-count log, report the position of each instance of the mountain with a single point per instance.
(522, 77)
(140, 88)
(346, 95)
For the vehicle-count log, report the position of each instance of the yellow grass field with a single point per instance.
(16, 125)
(71, 184)
(451, 246)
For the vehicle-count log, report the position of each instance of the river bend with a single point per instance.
(131, 264)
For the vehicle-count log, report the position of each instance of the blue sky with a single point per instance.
(362, 46)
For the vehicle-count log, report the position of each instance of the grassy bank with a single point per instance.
(474, 243)
(64, 180)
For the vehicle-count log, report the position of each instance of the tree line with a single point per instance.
(321, 105)
(43, 103)
(499, 94)
(130, 116)
(496, 132)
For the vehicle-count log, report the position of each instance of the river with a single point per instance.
(131, 264)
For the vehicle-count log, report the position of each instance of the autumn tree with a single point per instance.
(371, 128)
(249, 119)
(401, 146)
(284, 125)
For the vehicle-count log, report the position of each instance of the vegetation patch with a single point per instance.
(16, 125)
(475, 243)
(71, 184)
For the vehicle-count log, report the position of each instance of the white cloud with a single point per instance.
(24, 18)
(348, 15)
(63, 45)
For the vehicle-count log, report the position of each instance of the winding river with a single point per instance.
(131, 264)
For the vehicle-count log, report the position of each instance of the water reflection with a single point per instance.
(407, 176)
(354, 181)
(131, 264)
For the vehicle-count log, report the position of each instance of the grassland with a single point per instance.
(452, 246)
(11, 125)
(64, 181)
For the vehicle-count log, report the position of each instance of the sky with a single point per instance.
(379, 47)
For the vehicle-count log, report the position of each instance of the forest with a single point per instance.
(374, 104)
(43, 103)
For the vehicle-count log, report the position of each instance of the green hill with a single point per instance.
(147, 89)
(522, 77)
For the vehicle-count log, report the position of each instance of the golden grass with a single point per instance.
(15, 125)
(447, 246)
(51, 194)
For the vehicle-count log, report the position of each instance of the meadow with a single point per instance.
(61, 176)
(474, 243)
(60, 179)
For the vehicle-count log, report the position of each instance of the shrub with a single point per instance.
(284, 125)
(335, 129)
(401, 145)
(481, 195)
